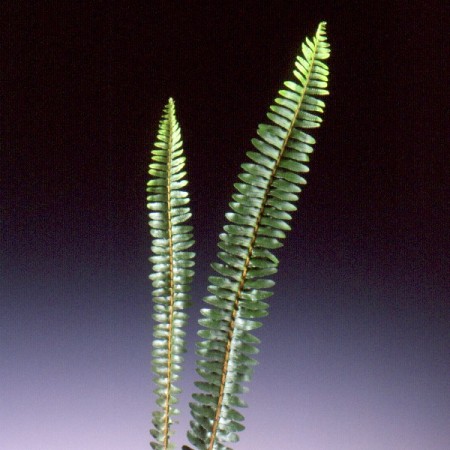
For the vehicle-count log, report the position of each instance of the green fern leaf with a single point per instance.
(265, 195)
(172, 270)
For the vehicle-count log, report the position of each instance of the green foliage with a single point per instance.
(261, 207)
(172, 268)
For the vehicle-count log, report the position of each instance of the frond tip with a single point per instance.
(265, 196)
(172, 272)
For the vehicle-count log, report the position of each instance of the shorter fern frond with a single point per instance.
(172, 272)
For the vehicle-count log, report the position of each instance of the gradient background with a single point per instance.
(355, 351)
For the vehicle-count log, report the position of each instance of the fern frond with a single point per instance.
(172, 273)
(257, 223)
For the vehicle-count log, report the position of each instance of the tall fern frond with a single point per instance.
(172, 273)
(261, 209)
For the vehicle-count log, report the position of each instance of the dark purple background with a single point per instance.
(355, 351)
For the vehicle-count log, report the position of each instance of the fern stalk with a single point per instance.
(172, 274)
(257, 223)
